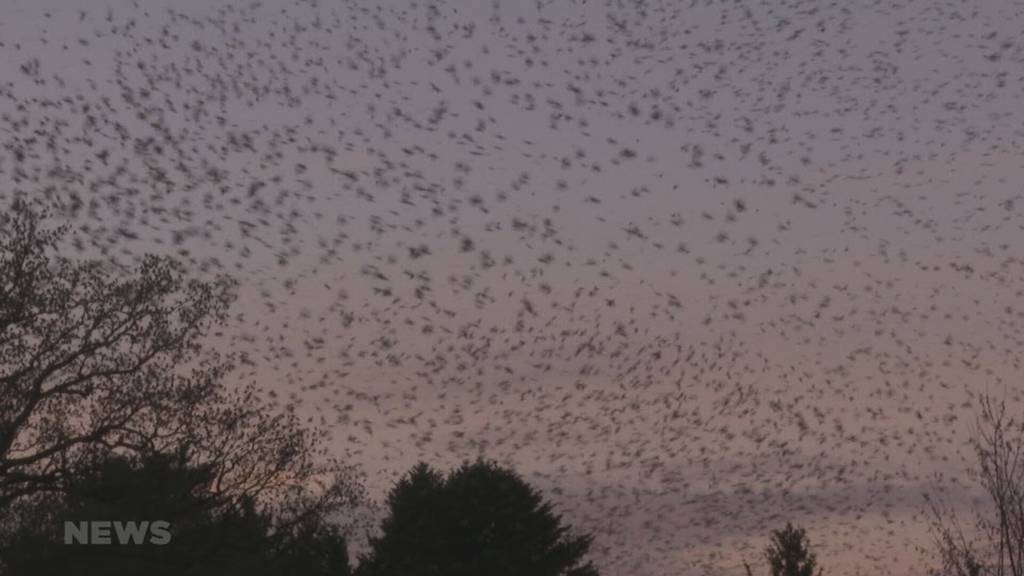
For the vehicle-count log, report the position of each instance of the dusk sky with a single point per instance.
(693, 268)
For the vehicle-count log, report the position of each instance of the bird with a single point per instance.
(684, 265)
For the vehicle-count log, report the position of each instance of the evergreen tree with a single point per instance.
(481, 519)
(789, 553)
(209, 534)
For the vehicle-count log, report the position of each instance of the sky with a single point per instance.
(693, 269)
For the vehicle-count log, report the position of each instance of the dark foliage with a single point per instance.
(480, 519)
(789, 553)
(209, 534)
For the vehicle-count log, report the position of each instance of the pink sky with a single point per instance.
(833, 359)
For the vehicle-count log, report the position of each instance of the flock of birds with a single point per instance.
(693, 268)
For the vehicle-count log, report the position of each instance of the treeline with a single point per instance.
(123, 452)
(479, 519)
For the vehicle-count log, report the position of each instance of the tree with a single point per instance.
(480, 519)
(95, 364)
(88, 361)
(210, 535)
(997, 546)
(789, 553)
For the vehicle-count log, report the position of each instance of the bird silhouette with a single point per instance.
(692, 267)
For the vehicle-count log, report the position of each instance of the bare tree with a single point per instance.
(996, 547)
(93, 363)
(89, 360)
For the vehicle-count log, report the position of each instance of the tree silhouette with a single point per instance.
(480, 519)
(998, 549)
(88, 360)
(789, 553)
(210, 534)
(95, 364)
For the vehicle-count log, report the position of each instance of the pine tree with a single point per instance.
(789, 553)
(480, 519)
